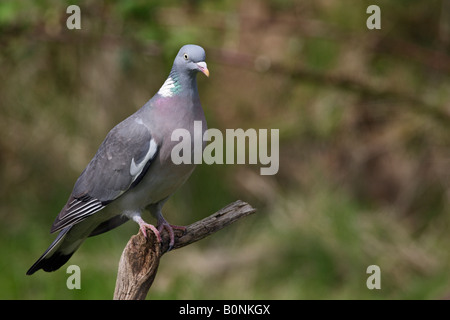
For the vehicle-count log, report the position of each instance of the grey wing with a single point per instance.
(119, 164)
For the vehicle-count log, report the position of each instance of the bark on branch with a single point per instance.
(140, 258)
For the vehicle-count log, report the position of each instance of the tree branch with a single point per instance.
(140, 258)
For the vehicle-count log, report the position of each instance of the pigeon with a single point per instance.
(132, 170)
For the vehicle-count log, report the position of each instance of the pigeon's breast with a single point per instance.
(165, 176)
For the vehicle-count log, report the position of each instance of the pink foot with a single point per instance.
(143, 226)
(170, 227)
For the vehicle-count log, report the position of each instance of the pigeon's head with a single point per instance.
(191, 58)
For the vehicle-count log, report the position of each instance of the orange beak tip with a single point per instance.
(203, 68)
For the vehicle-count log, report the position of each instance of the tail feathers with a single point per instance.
(52, 259)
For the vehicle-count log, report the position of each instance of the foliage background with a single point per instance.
(364, 118)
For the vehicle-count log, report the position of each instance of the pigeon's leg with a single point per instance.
(143, 226)
(156, 211)
(163, 224)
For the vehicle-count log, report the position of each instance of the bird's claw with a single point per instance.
(170, 228)
(144, 226)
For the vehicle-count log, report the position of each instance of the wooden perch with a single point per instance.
(140, 258)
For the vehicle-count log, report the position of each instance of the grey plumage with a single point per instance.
(132, 169)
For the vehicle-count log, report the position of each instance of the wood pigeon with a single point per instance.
(132, 169)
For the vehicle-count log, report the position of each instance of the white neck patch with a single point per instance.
(166, 89)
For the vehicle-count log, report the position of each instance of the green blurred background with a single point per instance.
(364, 120)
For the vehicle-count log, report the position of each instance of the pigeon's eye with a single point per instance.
(186, 56)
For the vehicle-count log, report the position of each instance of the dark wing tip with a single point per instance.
(52, 263)
(51, 259)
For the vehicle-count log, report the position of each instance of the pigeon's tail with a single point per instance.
(57, 254)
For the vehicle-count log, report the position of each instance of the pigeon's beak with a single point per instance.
(203, 68)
